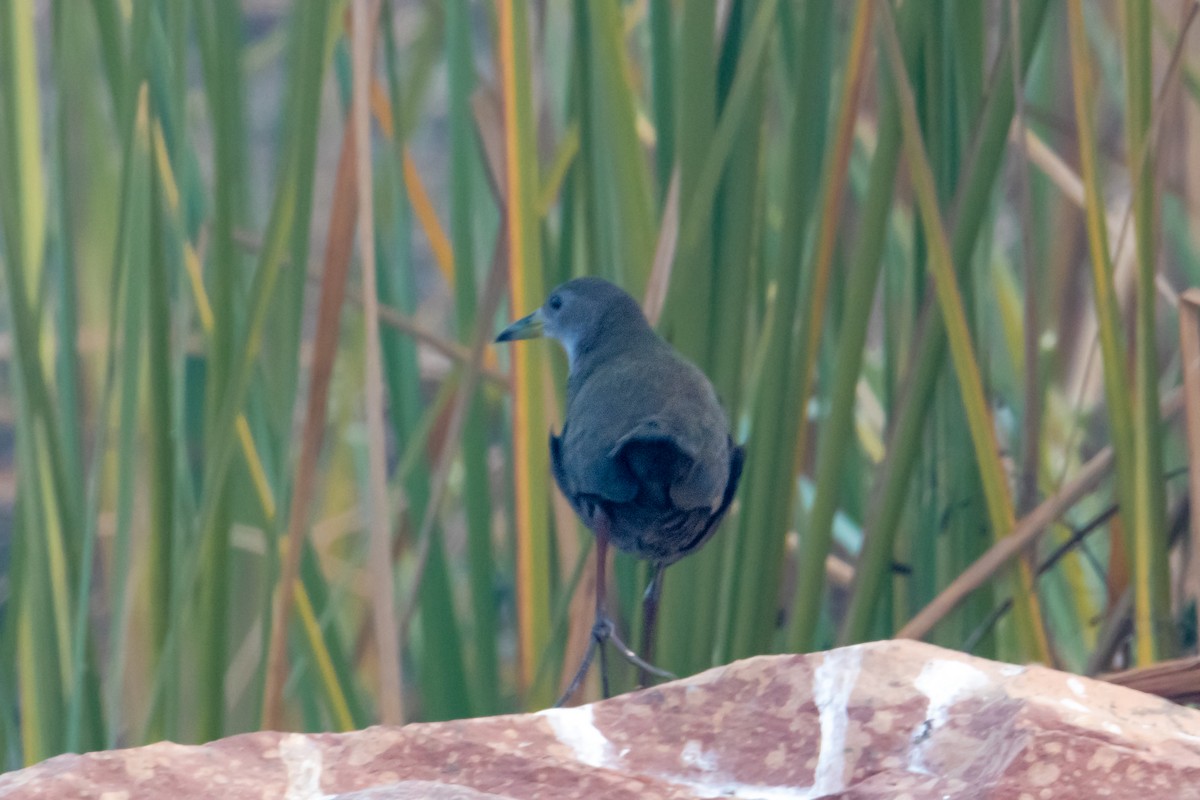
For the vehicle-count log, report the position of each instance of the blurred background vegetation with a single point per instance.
(259, 466)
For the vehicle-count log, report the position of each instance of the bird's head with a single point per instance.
(579, 315)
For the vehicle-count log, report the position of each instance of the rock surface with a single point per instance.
(883, 720)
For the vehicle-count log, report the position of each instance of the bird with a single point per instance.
(644, 457)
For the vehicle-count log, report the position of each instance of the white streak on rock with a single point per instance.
(833, 682)
(718, 788)
(943, 681)
(302, 760)
(694, 755)
(1076, 686)
(576, 728)
(1074, 705)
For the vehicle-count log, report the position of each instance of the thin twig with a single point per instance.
(488, 304)
(387, 315)
(1045, 566)
(1024, 535)
(446, 347)
(339, 244)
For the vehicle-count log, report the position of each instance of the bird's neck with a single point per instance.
(619, 340)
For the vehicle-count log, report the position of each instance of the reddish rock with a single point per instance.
(884, 720)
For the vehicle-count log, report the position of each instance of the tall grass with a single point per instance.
(264, 470)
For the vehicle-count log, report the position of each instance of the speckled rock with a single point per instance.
(883, 720)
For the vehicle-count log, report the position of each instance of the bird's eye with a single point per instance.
(555, 302)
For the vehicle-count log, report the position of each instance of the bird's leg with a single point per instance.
(604, 690)
(650, 618)
(580, 673)
(602, 628)
(643, 664)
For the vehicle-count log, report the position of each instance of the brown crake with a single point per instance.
(645, 456)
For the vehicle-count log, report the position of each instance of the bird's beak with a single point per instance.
(525, 328)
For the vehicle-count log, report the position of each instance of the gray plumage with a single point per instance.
(645, 442)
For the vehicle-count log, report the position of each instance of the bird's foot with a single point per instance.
(605, 631)
(581, 673)
(639, 662)
(602, 630)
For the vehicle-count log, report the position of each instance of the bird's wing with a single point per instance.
(653, 430)
(709, 479)
(601, 478)
(668, 468)
(737, 459)
(646, 431)
(556, 465)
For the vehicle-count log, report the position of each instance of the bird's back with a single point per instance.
(657, 460)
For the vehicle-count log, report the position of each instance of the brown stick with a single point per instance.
(338, 247)
(1024, 535)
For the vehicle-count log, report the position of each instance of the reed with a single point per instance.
(205, 271)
